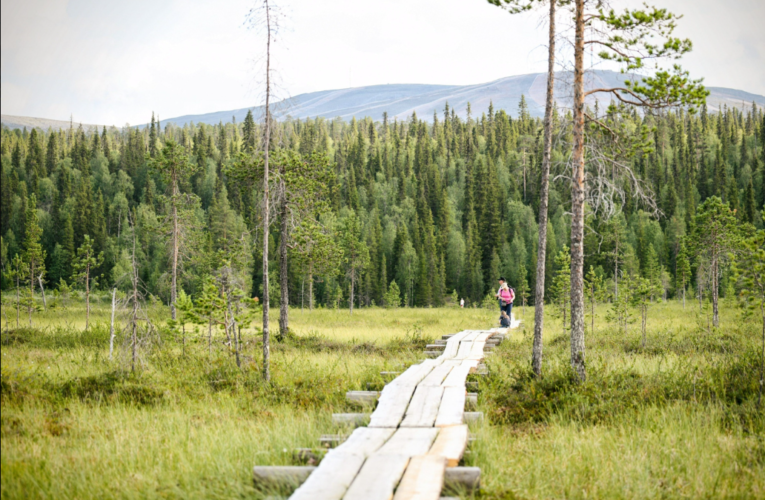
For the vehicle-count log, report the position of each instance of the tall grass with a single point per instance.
(675, 419)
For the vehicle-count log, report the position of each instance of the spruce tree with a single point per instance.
(85, 263)
(34, 255)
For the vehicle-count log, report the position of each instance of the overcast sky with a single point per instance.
(114, 62)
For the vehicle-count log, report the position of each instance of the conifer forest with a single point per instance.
(435, 208)
(292, 305)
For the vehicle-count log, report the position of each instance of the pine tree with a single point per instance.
(596, 291)
(683, 269)
(34, 255)
(85, 262)
(174, 165)
(560, 289)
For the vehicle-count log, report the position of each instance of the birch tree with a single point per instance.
(516, 6)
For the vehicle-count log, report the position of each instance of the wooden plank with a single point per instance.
(423, 479)
(450, 350)
(438, 374)
(377, 478)
(484, 336)
(473, 417)
(463, 479)
(453, 344)
(363, 398)
(423, 408)
(471, 336)
(452, 407)
(266, 476)
(331, 479)
(340, 466)
(450, 444)
(458, 375)
(476, 350)
(353, 419)
(365, 441)
(416, 373)
(392, 405)
(409, 442)
(382, 471)
(464, 350)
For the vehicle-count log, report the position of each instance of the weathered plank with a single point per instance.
(476, 350)
(423, 408)
(473, 417)
(464, 350)
(409, 441)
(392, 405)
(465, 479)
(453, 344)
(452, 407)
(450, 444)
(438, 374)
(331, 440)
(423, 479)
(350, 418)
(363, 398)
(365, 441)
(416, 373)
(462, 479)
(332, 478)
(458, 375)
(338, 468)
(377, 478)
(266, 476)
(382, 471)
(472, 334)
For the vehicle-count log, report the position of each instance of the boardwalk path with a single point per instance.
(416, 431)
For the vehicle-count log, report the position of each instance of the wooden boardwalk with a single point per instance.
(417, 430)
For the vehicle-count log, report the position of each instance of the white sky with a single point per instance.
(114, 62)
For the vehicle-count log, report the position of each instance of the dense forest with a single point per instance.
(413, 212)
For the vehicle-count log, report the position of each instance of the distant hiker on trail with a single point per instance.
(462, 302)
(506, 296)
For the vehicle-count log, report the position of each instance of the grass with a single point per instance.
(673, 419)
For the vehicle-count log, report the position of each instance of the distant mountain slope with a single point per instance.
(401, 100)
(12, 122)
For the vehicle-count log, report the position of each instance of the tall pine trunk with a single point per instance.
(266, 214)
(539, 295)
(283, 265)
(577, 202)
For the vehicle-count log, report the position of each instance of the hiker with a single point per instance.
(506, 295)
(462, 302)
(504, 320)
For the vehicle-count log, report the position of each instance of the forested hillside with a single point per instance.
(441, 207)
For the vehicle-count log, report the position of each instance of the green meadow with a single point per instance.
(676, 418)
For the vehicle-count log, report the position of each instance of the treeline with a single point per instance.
(411, 212)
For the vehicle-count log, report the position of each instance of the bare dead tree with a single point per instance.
(138, 330)
(266, 17)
